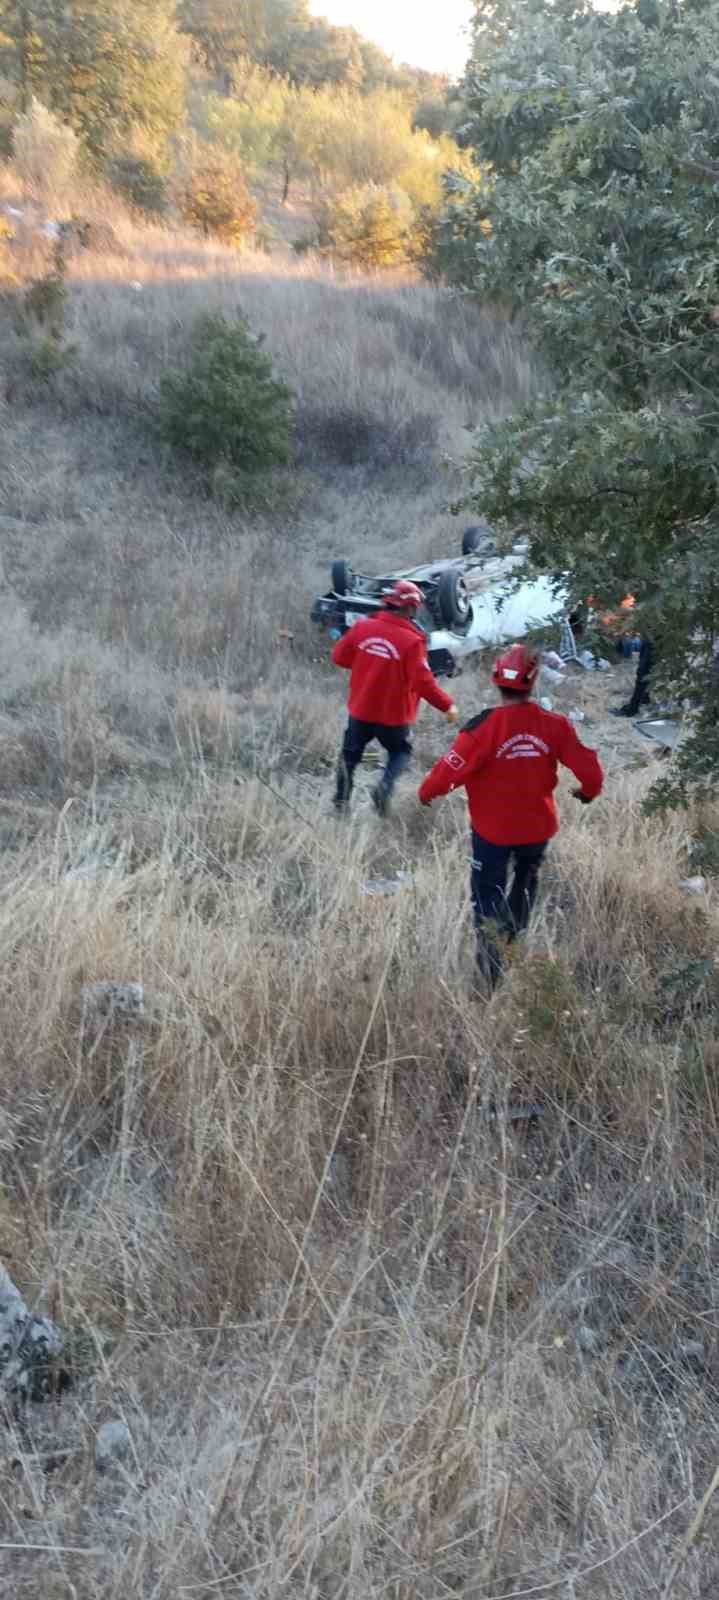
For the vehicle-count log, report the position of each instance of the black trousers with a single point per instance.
(640, 695)
(396, 741)
(495, 910)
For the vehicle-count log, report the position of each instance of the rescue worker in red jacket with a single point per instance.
(389, 675)
(507, 759)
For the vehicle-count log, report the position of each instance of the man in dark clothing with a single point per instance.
(640, 694)
(389, 674)
(507, 759)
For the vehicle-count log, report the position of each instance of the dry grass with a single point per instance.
(369, 1339)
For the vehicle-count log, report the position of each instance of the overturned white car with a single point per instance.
(470, 602)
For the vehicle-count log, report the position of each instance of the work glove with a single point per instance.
(585, 799)
(453, 714)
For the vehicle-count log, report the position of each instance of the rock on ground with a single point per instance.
(113, 1443)
(28, 1346)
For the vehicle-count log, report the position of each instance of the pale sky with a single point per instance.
(427, 33)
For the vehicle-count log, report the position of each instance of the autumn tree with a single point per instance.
(102, 66)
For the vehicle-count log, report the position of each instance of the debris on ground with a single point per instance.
(30, 1346)
(379, 886)
(694, 885)
(525, 1112)
(665, 731)
(107, 1000)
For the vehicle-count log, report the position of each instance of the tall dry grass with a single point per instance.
(369, 1335)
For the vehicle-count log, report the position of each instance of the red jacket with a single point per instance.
(506, 759)
(387, 658)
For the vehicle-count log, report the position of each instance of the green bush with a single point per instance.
(368, 227)
(215, 199)
(139, 183)
(226, 409)
(45, 299)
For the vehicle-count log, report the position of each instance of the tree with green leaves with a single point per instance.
(595, 220)
(105, 67)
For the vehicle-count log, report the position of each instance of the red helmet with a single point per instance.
(403, 596)
(516, 670)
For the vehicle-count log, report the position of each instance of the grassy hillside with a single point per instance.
(368, 1338)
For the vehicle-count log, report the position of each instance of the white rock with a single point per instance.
(379, 886)
(113, 1443)
(101, 1000)
(693, 885)
(575, 715)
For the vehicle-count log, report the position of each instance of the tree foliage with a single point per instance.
(215, 199)
(226, 407)
(369, 227)
(597, 221)
(307, 51)
(103, 66)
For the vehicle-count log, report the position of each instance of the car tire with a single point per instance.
(342, 576)
(455, 606)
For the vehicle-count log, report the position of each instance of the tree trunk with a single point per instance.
(286, 184)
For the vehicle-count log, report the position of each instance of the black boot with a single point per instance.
(343, 791)
(380, 796)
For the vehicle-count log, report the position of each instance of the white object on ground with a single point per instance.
(693, 885)
(379, 886)
(586, 660)
(663, 730)
(546, 703)
(575, 715)
(101, 1000)
(553, 660)
(548, 675)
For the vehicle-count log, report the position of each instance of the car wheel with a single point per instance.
(342, 577)
(455, 606)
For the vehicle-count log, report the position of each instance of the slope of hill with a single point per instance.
(368, 1335)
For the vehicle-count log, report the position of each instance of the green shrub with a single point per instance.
(45, 299)
(368, 227)
(226, 409)
(40, 316)
(139, 183)
(215, 199)
(49, 355)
